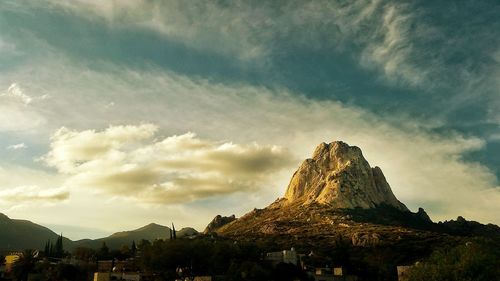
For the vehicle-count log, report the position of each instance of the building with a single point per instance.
(112, 265)
(203, 278)
(330, 274)
(403, 272)
(126, 276)
(102, 276)
(285, 256)
(10, 260)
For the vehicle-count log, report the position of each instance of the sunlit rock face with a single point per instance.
(339, 175)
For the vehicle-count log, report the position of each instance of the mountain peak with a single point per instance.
(152, 226)
(339, 175)
(337, 148)
(218, 222)
(3, 217)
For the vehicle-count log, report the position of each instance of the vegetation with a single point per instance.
(164, 260)
(239, 260)
(215, 257)
(473, 261)
(54, 250)
(24, 265)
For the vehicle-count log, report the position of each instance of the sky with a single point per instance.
(115, 114)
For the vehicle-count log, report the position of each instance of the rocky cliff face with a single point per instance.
(217, 223)
(338, 175)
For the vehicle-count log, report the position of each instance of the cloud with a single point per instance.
(16, 111)
(15, 92)
(494, 138)
(408, 44)
(6, 47)
(17, 146)
(194, 25)
(71, 150)
(402, 43)
(20, 187)
(32, 194)
(391, 54)
(126, 161)
(422, 166)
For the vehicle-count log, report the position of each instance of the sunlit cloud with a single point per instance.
(126, 161)
(422, 167)
(20, 187)
(32, 194)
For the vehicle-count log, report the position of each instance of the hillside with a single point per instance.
(149, 232)
(22, 234)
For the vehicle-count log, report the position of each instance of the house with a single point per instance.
(330, 274)
(102, 276)
(111, 265)
(403, 272)
(10, 260)
(285, 256)
(126, 276)
(203, 278)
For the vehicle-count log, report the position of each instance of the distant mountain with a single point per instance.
(149, 232)
(22, 234)
(463, 227)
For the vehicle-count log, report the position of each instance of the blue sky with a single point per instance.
(171, 111)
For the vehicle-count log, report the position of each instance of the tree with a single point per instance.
(47, 249)
(471, 261)
(133, 249)
(68, 272)
(84, 254)
(174, 235)
(58, 249)
(103, 252)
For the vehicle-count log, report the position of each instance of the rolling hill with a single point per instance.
(18, 235)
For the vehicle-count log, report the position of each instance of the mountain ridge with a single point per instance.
(17, 234)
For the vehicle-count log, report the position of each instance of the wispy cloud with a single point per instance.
(397, 39)
(17, 112)
(32, 194)
(15, 92)
(17, 146)
(392, 52)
